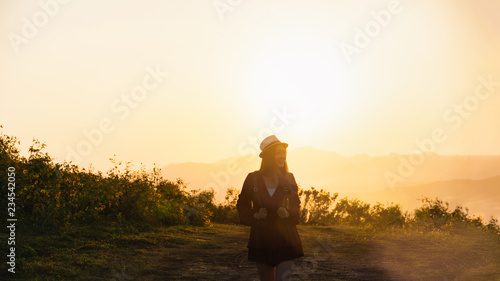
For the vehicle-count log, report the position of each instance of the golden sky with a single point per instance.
(173, 81)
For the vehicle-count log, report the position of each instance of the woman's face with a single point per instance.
(280, 156)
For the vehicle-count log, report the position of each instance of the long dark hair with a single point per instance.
(268, 164)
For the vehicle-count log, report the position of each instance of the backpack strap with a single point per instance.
(255, 188)
(289, 182)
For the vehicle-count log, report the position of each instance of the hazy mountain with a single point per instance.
(336, 173)
(482, 197)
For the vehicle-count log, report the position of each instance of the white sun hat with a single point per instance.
(269, 142)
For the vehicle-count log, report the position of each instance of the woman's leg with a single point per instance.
(266, 271)
(284, 271)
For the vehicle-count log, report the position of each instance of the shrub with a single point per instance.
(390, 216)
(227, 212)
(54, 194)
(198, 208)
(316, 205)
(353, 211)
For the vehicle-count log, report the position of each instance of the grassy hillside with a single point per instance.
(219, 253)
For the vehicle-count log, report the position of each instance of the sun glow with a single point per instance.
(301, 69)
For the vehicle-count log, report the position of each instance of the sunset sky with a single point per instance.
(173, 81)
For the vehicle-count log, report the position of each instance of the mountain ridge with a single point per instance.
(333, 172)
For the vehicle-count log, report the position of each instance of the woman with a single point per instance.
(269, 203)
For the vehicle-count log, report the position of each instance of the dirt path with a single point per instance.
(220, 253)
(331, 253)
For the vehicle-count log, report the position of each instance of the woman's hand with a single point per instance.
(283, 213)
(262, 214)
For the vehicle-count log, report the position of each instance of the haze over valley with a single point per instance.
(471, 181)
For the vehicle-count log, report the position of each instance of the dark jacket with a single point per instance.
(272, 232)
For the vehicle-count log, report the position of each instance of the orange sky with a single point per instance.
(173, 81)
